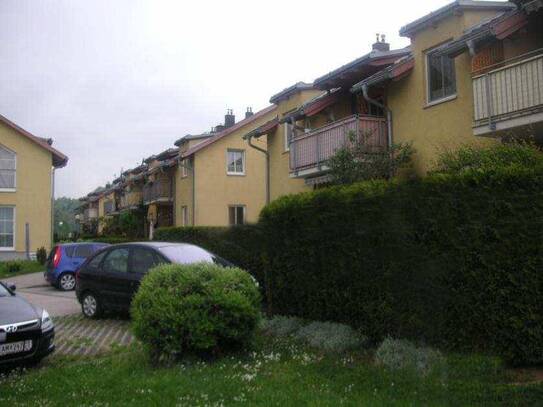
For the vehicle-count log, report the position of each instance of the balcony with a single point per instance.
(158, 191)
(310, 151)
(510, 97)
(131, 200)
(109, 207)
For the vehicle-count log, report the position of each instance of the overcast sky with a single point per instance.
(114, 81)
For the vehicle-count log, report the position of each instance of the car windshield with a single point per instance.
(186, 254)
(4, 292)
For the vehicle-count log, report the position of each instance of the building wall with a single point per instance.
(183, 195)
(215, 191)
(280, 181)
(32, 199)
(448, 125)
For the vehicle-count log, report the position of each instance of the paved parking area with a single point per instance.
(37, 291)
(78, 336)
(75, 335)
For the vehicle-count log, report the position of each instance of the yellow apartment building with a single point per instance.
(219, 180)
(27, 173)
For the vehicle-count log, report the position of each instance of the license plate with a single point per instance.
(15, 347)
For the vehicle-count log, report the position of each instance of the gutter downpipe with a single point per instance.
(52, 208)
(265, 152)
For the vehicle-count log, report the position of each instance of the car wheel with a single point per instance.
(66, 282)
(90, 306)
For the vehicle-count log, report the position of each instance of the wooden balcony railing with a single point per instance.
(513, 90)
(311, 150)
(131, 199)
(158, 191)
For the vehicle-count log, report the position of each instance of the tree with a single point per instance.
(357, 161)
(65, 210)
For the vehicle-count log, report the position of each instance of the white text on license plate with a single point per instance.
(15, 347)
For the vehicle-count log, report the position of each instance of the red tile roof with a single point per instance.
(228, 131)
(59, 159)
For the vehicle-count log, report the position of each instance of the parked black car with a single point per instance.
(109, 279)
(26, 332)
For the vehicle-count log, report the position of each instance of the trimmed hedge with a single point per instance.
(241, 245)
(453, 260)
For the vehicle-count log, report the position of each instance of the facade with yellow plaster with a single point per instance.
(27, 167)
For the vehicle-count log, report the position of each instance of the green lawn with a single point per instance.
(275, 373)
(26, 267)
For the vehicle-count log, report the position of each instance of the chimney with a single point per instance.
(229, 118)
(249, 112)
(380, 43)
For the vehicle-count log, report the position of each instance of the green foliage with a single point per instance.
(499, 156)
(199, 308)
(41, 255)
(330, 336)
(453, 260)
(130, 224)
(357, 162)
(17, 267)
(13, 266)
(65, 210)
(282, 326)
(396, 354)
(241, 245)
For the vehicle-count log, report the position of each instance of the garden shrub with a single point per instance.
(199, 309)
(282, 326)
(41, 255)
(330, 336)
(13, 266)
(498, 156)
(452, 260)
(397, 354)
(241, 245)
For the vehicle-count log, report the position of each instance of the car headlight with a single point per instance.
(46, 321)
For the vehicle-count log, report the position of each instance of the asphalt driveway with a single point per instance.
(37, 291)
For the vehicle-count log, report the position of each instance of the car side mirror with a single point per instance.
(12, 287)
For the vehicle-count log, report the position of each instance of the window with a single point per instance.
(236, 215)
(185, 215)
(143, 260)
(84, 251)
(116, 261)
(94, 264)
(7, 222)
(184, 169)
(288, 135)
(235, 162)
(69, 250)
(7, 169)
(187, 254)
(441, 80)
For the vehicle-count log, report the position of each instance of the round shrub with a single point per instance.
(399, 354)
(330, 336)
(199, 308)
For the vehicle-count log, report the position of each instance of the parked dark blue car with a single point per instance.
(65, 259)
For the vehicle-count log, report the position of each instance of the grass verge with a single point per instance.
(277, 372)
(23, 267)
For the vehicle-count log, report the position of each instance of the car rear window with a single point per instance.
(84, 251)
(69, 250)
(190, 254)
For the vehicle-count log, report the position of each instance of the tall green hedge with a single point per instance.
(241, 245)
(455, 260)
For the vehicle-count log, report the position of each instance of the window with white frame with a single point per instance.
(184, 169)
(441, 77)
(288, 135)
(236, 215)
(8, 165)
(185, 215)
(7, 227)
(235, 162)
